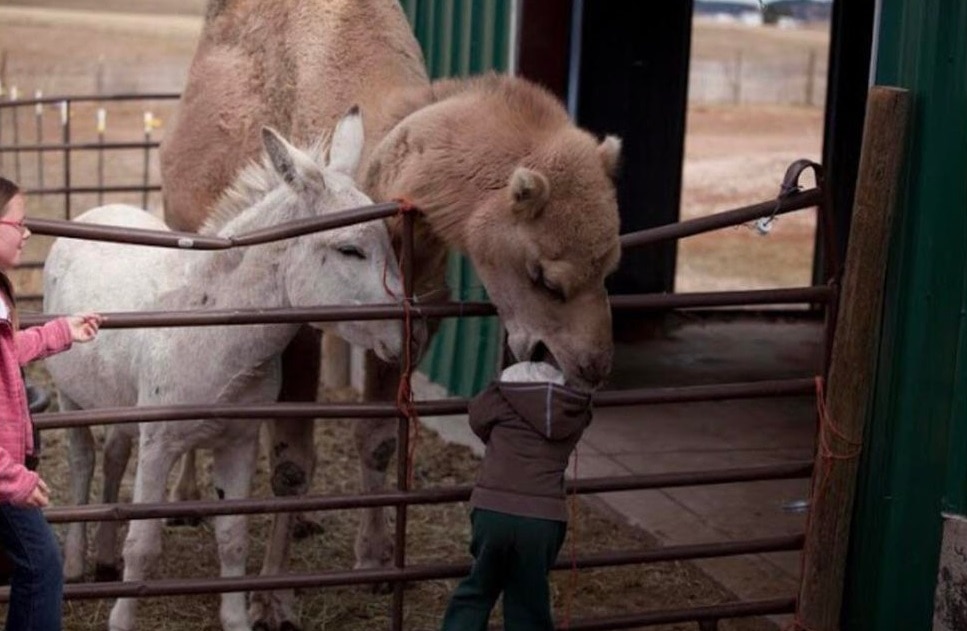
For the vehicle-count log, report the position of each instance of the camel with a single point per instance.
(218, 364)
(495, 166)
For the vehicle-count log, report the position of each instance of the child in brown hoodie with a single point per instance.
(530, 422)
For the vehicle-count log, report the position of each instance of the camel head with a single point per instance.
(543, 245)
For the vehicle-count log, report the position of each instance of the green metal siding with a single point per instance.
(915, 462)
(459, 38)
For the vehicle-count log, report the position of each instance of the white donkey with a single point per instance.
(222, 364)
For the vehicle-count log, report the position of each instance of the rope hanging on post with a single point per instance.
(827, 454)
(404, 394)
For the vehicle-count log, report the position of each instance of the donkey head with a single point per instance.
(351, 265)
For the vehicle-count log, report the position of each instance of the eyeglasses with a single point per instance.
(19, 225)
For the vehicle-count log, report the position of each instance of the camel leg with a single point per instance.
(81, 457)
(292, 460)
(234, 466)
(335, 361)
(117, 451)
(375, 441)
(185, 488)
(142, 546)
(290, 443)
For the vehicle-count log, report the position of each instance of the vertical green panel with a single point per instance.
(913, 465)
(462, 28)
(459, 38)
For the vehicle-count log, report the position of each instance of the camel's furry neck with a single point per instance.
(456, 144)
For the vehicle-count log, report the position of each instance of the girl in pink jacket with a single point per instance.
(36, 585)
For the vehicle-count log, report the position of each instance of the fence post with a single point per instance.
(65, 124)
(101, 128)
(851, 370)
(39, 116)
(810, 78)
(148, 125)
(14, 96)
(737, 79)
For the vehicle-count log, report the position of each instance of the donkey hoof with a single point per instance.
(106, 573)
(288, 626)
(183, 522)
(261, 625)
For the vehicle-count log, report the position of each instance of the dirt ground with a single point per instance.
(734, 156)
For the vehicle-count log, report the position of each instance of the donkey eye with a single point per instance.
(352, 251)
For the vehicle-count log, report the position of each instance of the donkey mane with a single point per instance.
(253, 183)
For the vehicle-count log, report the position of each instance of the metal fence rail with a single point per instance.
(791, 198)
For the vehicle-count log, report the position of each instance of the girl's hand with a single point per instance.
(84, 326)
(40, 496)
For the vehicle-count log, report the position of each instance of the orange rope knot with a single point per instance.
(406, 205)
(828, 427)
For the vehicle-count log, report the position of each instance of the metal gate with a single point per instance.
(791, 198)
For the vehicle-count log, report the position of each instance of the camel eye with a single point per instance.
(352, 251)
(556, 292)
(537, 277)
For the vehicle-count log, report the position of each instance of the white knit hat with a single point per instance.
(531, 372)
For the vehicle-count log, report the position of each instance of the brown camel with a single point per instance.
(494, 164)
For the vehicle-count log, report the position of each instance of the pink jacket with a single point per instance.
(16, 432)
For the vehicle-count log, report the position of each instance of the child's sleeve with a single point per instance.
(16, 481)
(482, 425)
(38, 342)
(484, 413)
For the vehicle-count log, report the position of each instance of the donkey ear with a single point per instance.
(296, 168)
(609, 151)
(347, 143)
(529, 192)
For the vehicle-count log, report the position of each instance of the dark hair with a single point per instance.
(8, 190)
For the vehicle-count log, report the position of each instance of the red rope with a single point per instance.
(404, 393)
(827, 455)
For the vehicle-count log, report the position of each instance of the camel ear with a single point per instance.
(609, 151)
(347, 143)
(529, 192)
(296, 168)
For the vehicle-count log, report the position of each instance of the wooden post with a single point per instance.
(810, 79)
(851, 371)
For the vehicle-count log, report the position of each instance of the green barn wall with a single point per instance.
(914, 464)
(460, 38)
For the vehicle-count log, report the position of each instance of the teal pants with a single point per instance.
(512, 555)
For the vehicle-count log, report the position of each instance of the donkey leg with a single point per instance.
(375, 441)
(142, 546)
(185, 488)
(234, 466)
(117, 451)
(80, 441)
(290, 446)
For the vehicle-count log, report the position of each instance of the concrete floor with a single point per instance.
(703, 436)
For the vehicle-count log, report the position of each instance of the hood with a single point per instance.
(553, 410)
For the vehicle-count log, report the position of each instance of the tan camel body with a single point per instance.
(493, 163)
